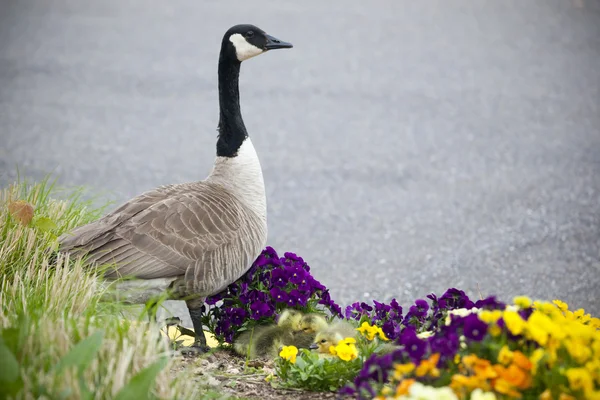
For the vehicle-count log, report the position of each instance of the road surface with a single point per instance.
(407, 147)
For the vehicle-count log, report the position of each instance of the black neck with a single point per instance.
(232, 131)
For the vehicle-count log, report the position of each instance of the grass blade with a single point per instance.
(9, 366)
(82, 354)
(140, 385)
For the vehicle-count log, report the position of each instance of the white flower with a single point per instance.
(460, 312)
(418, 391)
(462, 341)
(424, 335)
(479, 394)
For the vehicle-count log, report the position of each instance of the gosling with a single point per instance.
(332, 335)
(266, 340)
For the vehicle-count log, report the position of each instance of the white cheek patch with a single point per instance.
(243, 49)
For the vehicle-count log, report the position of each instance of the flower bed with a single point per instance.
(446, 347)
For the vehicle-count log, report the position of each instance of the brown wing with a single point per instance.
(161, 234)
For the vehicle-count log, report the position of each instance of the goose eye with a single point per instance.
(249, 34)
(306, 329)
(323, 341)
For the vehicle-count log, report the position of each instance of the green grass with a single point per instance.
(57, 339)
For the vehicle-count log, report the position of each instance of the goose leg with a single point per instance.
(195, 309)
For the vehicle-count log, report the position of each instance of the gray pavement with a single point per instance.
(407, 146)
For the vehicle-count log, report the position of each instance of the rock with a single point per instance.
(212, 381)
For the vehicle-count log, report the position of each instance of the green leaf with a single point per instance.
(82, 354)
(44, 224)
(9, 366)
(140, 385)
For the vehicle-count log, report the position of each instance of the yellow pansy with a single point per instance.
(584, 333)
(346, 349)
(514, 323)
(401, 370)
(578, 350)
(367, 330)
(582, 316)
(593, 368)
(562, 306)
(381, 334)
(539, 326)
(429, 366)
(332, 350)
(490, 316)
(593, 395)
(535, 358)
(522, 301)
(580, 379)
(371, 331)
(289, 353)
(546, 308)
(494, 330)
(505, 356)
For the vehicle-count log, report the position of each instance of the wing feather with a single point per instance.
(171, 231)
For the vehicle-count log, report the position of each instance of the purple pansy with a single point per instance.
(279, 295)
(455, 298)
(212, 300)
(279, 277)
(296, 297)
(391, 329)
(474, 328)
(490, 303)
(414, 346)
(237, 316)
(446, 343)
(296, 274)
(260, 310)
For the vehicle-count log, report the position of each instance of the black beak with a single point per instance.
(313, 346)
(274, 43)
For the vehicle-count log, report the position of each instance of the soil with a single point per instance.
(222, 374)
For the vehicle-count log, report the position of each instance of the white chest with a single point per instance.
(242, 176)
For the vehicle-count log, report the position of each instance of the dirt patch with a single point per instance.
(223, 374)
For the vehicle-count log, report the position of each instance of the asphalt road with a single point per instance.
(407, 146)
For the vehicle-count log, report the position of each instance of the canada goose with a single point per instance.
(312, 323)
(266, 340)
(332, 335)
(300, 322)
(325, 339)
(192, 239)
(290, 318)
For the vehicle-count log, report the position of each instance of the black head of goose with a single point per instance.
(191, 239)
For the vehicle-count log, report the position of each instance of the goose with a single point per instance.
(290, 318)
(191, 239)
(267, 340)
(332, 335)
(312, 323)
(301, 322)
